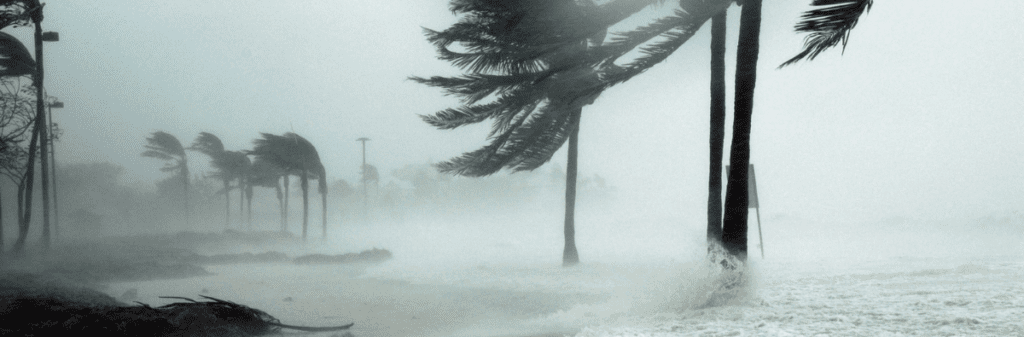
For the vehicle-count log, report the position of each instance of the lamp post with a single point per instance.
(363, 175)
(53, 168)
(41, 123)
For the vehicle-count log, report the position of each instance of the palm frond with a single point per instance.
(165, 142)
(526, 146)
(472, 88)
(827, 26)
(15, 60)
(289, 152)
(207, 144)
(157, 154)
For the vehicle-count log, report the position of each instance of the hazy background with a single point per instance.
(920, 118)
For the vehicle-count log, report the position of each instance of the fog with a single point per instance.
(899, 154)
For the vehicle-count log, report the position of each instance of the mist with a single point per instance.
(890, 165)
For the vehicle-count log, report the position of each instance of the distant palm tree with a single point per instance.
(265, 174)
(164, 146)
(237, 165)
(295, 155)
(211, 146)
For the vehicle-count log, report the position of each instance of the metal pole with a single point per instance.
(53, 172)
(753, 185)
(41, 123)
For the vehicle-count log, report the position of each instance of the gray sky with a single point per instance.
(921, 117)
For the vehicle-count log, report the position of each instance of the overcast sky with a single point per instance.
(920, 117)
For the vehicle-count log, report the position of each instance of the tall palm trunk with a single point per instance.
(227, 204)
(570, 256)
(280, 205)
(284, 209)
(241, 201)
(248, 205)
(184, 178)
(717, 129)
(734, 233)
(323, 209)
(304, 182)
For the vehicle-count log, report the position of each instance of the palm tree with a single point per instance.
(164, 146)
(521, 55)
(265, 174)
(525, 58)
(237, 165)
(210, 145)
(295, 154)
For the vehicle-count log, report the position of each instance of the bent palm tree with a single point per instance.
(265, 174)
(295, 154)
(164, 146)
(521, 56)
(208, 144)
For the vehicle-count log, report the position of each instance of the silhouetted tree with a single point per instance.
(520, 61)
(266, 174)
(210, 145)
(164, 146)
(16, 119)
(294, 154)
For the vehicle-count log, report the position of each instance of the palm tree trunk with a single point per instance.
(280, 205)
(248, 205)
(734, 231)
(323, 209)
(184, 178)
(570, 256)
(304, 181)
(227, 204)
(284, 210)
(241, 201)
(717, 129)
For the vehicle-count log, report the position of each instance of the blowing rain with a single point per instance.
(520, 168)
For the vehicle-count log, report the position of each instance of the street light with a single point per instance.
(50, 37)
(41, 37)
(53, 167)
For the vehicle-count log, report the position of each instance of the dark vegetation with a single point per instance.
(47, 307)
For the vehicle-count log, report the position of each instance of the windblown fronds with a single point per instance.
(828, 26)
(289, 152)
(532, 64)
(208, 144)
(15, 60)
(164, 146)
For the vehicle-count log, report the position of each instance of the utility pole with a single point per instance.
(363, 175)
(53, 168)
(41, 123)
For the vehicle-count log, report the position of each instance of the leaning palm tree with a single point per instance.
(295, 155)
(164, 146)
(520, 64)
(237, 164)
(266, 174)
(210, 145)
